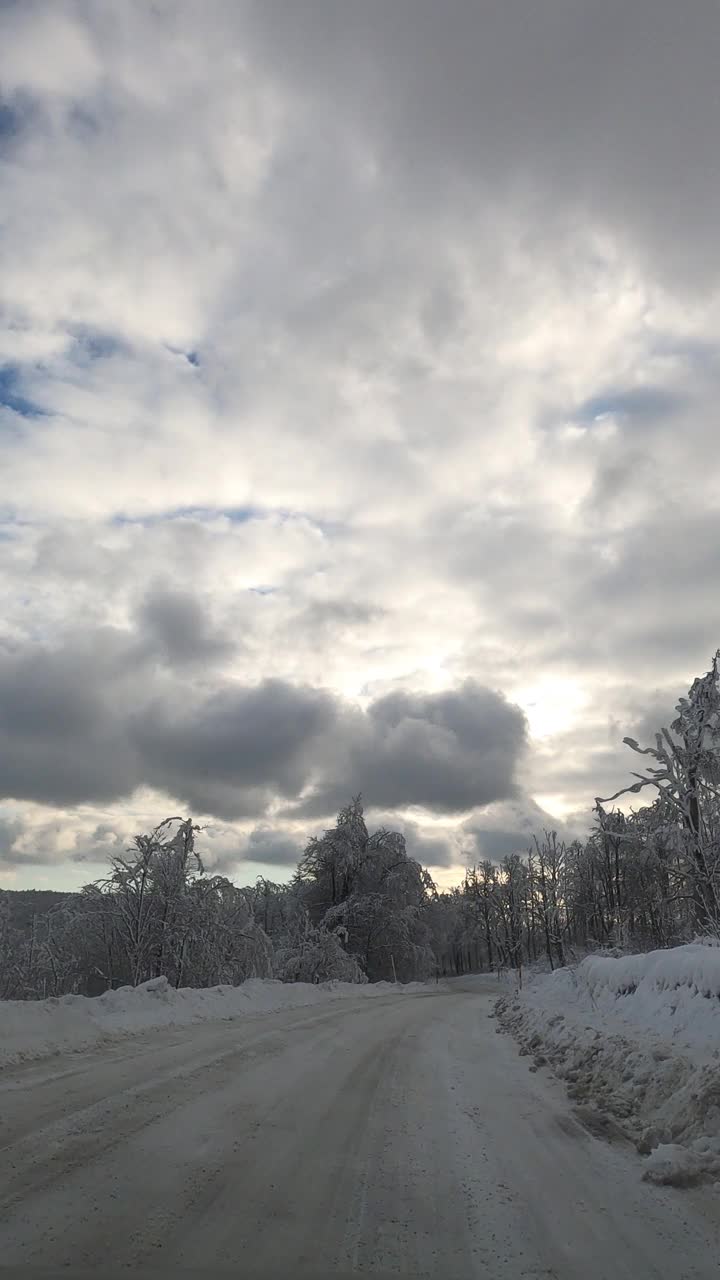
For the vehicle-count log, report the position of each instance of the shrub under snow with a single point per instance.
(637, 1037)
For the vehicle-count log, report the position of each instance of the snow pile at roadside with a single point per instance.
(38, 1028)
(637, 1038)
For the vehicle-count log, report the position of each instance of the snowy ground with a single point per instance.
(637, 1039)
(391, 1134)
(38, 1028)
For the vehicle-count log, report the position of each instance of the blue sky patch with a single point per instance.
(94, 344)
(642, 404)
(697, 353)
(12, 119)
(83, 122)
(9, 120)
(11, 394)
(238, 515)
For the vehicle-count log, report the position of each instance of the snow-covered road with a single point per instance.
(398, 1134)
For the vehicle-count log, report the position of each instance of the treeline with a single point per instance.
(359, 908)
(356, 910)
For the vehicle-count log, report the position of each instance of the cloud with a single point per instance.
(227, 849)
(272, 847)
(61, 739)
(231, 753)
(573, 113)
(45, 52)
(445, 752)
(94, 720)
(100, 844)
(347, 358)
(25, 842)
(178, 629)
(507, 828)
(9, 832)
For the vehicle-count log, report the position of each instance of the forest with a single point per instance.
(360, 909)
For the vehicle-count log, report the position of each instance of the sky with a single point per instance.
(359, 373)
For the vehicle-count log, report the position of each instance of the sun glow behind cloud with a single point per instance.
(553, 705)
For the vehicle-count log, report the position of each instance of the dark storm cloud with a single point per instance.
(446, 752)
(91, 722)
(228, 754)
(496, 845)
(609, 110)
(274, 847)
(449, 750)
(178, 630)
(63, 731)
(92, 725)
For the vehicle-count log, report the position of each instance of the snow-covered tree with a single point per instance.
(687, 774)
(369, 886)
(317, 954)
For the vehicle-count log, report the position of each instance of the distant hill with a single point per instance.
(26, 903)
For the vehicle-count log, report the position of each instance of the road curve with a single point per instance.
(394, 1135)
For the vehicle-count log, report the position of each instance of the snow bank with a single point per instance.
(38, 1028)
(636, 1037)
